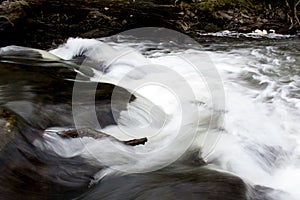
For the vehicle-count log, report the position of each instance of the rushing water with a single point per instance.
(247, 148)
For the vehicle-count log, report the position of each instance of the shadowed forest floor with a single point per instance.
(44, 24)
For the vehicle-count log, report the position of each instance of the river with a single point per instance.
(221, 117)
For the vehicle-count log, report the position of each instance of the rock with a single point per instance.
(7, 127)
(224, 15)
(245, 16)
(282, 15)
(244, 29)
(6, 28)
(124, 22)
(179, 183)
(11, 16)
(211, 28)
(230, 12)
(96, 33)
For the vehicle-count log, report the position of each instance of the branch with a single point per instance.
(87, 132)
(295, 12)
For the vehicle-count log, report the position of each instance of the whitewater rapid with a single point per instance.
(256, 136)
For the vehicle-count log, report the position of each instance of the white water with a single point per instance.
(260, 141)
(259, 34)
(166, 110)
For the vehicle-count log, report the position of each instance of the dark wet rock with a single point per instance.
(210, 27)
(40, 91)
(12, 14)
(7, 127)
(171, 183)
(259, 192)
(37, 94)
(224, 16)
(192, 158)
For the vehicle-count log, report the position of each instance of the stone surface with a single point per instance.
(7, 127)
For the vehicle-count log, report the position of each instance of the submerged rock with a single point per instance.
(173, 182)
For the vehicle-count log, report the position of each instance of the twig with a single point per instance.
(295, 12)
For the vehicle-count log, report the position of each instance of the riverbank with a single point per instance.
(45, 24)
